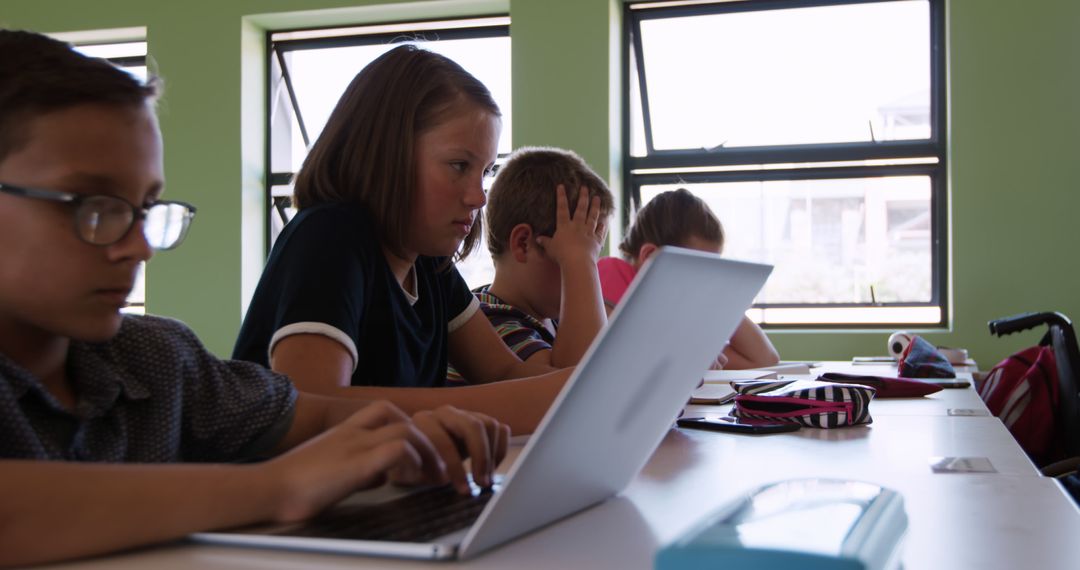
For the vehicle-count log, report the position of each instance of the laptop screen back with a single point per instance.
(626, 393)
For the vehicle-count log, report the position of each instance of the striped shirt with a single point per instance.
(523, 333)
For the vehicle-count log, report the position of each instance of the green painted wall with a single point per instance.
(1014, 80)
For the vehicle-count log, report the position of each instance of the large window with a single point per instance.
(309, 70)
(131, 56)
(815, 131)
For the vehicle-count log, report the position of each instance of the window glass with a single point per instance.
(831, 240)
(114, 51)
(824, 74)
(817, 135)
(320, 76)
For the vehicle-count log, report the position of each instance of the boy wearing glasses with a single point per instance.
(114, 430)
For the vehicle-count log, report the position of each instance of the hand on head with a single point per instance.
(582, 234)
(380, 443)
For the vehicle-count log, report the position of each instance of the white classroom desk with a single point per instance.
(1009, 519)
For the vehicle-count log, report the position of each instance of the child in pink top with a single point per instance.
(615, 278)
(679, 218)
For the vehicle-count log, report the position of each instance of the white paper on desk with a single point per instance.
(967, 412)
(961, 465)
(728, 376)
(787, 368)
(712, 394)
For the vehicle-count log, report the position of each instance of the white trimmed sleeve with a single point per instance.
(323, 329)
(464, 316)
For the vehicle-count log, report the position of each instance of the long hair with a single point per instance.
(366, 154)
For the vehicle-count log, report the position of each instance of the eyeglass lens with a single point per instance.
(166, 224)
(105, 220)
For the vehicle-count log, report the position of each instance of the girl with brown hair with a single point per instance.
(360, 296)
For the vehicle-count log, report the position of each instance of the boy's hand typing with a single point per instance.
(377, 443)
(576, 238)
(457, 434)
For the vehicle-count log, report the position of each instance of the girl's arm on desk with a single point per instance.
(319, 365)
(749, 347)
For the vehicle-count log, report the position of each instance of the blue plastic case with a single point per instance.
(804, 523)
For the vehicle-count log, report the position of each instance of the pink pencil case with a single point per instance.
(809, 403)
(886, 387)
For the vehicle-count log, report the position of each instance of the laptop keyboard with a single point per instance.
(417, 517)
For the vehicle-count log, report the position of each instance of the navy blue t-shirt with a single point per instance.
(328, 275)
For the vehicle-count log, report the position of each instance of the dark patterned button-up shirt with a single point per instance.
(151, 394)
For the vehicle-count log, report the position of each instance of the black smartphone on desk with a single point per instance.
(736, 425)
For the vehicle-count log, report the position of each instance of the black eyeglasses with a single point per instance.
(105, 220)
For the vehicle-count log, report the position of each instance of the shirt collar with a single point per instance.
(17, 377)
(99, 372)
(484, 295)
(411, 282)
(99, 382)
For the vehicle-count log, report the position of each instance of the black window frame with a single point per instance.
(818, 160)
(276, 49)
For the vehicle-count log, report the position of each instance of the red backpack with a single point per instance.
(1022, 390)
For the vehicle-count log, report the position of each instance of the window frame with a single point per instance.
(276, 49)
(807, 161)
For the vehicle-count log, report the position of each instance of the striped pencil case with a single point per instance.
(809, 403)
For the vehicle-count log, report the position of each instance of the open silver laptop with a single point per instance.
(609, 418)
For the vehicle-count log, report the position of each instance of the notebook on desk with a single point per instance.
(609, 418)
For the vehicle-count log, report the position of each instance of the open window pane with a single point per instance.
(816, 130)
(320, 76)
(831, 240)
(119, 50)
(809, 75)
(637, 123)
